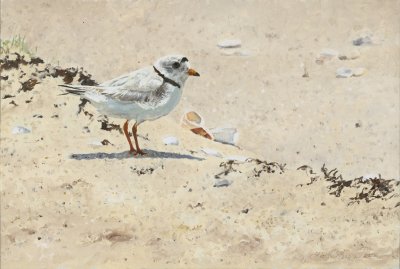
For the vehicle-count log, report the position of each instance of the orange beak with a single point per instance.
(193, 72)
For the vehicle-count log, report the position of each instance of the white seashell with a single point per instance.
(344, 72)
(230, 43)
(329, 53)
(170, 140)
(237, 158)
(236, 52)
(20, 130)
(357, 72)
(225, 135)
(96, 143)
(211, 152)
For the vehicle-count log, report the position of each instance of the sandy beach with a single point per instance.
(313, 181)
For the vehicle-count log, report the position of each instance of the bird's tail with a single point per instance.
(77, 90)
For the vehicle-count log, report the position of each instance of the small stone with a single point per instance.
(237, 158)
(170, 140)
(245, 211)
(352, 55)
(323, 204)
(20, 130)
(357, 72)
(358, 124)
(222, 183)
(361, 41)
(330, 53)
(326, 55)
(235, 52)
(96, 143)
(211, 152)
(230, 43)
(344, 72)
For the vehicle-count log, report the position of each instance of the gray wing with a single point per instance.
(140, 86)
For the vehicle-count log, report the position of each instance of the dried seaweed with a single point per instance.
(260, 167)
(28, 85)
(264, 166)
(374, 188)
(371, 188)
(227, 168)
(105, 125)
(143, 171)
(7, 63)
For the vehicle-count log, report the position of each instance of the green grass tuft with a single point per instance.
(16, 44)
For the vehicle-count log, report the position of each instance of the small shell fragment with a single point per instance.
(20, 130)
(225, 135)
(230, 43)
(203, 132)
(211, 152)
(344, 72)
(171, 140)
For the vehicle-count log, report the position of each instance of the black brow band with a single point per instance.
(168, 80)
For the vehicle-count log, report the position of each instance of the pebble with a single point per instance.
(222, 183)
(96, 143)
(211, 152)
(236, 52)
(329, 53)
(352, 55)
(237, 158)
(344, 72)
(361, 41)
(170, 140)
(230, 43)
(20, 130)
(326, 55)
(359, 71)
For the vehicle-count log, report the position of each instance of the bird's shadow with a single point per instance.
(150, 154)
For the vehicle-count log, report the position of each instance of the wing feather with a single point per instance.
(140, 86)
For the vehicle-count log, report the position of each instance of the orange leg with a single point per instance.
(134, 132)
(131, 150)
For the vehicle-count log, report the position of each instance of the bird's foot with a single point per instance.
(140, 152)
(133, 152)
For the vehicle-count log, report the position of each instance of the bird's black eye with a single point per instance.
(176, 65)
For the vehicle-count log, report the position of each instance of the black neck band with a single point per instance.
(168, 80)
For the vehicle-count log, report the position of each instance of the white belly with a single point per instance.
(137, 111)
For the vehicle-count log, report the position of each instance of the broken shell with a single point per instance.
(203, 132)
(211, 152)
(225, 135)
(230, 43)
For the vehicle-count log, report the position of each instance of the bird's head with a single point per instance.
(175, 67)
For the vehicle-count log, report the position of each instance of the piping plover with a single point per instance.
(145, 94)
